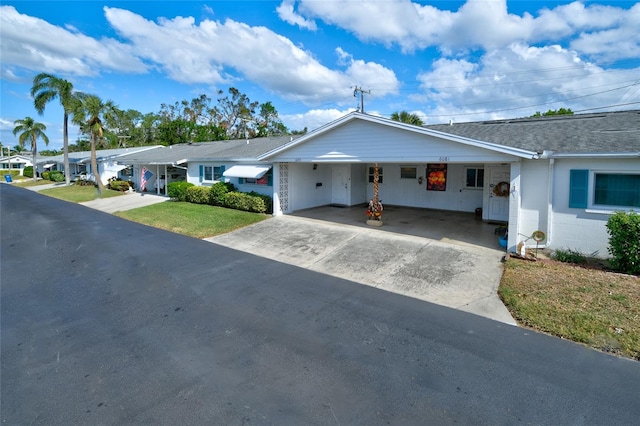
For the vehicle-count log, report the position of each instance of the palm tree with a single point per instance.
(47, 87)
(30, 130)
(408, 118)
(89, 113)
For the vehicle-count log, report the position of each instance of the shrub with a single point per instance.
(198, 194)
(119, 185)
(268, 201)
(624, 241)
(218, 191)
(243, 201)
(55, 176)
(178, 190)
(82, 182)
(569, 256)
(28, 171)
(45, 175)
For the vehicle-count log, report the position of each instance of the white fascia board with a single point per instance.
(597, 155)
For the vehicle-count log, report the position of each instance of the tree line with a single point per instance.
(103, 124)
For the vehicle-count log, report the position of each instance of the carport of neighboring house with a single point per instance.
(418, 167)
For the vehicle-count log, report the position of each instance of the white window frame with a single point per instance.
(476, 168)
(415, 172)
(603, 208)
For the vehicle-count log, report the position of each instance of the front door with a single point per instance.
(340, 185)
(498, 201)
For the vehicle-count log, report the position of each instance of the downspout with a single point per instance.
(547, 242)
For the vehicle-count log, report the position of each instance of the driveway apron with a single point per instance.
(464, 277)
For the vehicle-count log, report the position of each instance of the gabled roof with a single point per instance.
(597, 134)
(234, 150)
(504, 149)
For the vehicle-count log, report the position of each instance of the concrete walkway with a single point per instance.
(121, 203)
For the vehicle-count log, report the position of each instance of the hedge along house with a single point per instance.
(205, 163)
(560, 175)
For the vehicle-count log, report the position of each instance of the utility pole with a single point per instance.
(362, 92)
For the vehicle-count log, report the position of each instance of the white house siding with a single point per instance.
(364, 142)
(303, 191)
(408, 192)
(583, 230)
(359, 184)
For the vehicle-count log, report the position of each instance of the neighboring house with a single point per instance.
(562, 175)
(205, 163)
(80, 162)
(15, 162)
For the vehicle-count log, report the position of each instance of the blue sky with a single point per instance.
(443, 60)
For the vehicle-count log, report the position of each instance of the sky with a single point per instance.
(447, 61)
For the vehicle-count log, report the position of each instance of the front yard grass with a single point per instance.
(26, 181)
(194, 220)
(586, 305)
(79, 193)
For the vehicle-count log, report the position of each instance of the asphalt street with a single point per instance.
(105, 321)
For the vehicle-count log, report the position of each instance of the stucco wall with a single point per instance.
(583, 230)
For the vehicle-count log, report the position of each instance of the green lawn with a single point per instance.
(588, 305)
(23, 181)
(78, 193)
(194, 220)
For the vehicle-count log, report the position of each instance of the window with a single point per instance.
(267, 179)
(617, 190)
(475, 178)
(371, 174)
(408, 172)
(211, 173)
(208, 173)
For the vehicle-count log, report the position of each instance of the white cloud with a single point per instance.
(478, 24)
(210, 51)
(313, 119)
(520, 80)
(287, 13)
(35, 44)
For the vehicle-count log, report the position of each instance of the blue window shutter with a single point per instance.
(578, 189)
(201, 173)
(270, 178)
(240, 181)
(222, 169)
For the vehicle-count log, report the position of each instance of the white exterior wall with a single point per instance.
(303, 191)
(408, 192)
(359, 184)
(534, 200)
(583, 230)
(364, 142)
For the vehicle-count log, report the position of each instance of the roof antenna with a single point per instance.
(362, 92)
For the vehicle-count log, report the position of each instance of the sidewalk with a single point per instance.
(113, 204)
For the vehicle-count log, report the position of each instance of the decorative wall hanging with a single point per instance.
(436, 177)
(501, 189)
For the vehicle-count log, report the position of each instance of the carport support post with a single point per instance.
(376, 179)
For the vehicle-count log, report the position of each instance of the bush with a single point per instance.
(45, 175)
(268, 201)
(55, 176)
(119, 185)
(218, 191)
(624, 241)
(178, 190)
(569, 256)
(198, 194)
(243, 201)
(82, 182)
(28, 171)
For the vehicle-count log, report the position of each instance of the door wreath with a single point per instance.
(501, 189)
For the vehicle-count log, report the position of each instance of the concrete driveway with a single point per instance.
(460, 276)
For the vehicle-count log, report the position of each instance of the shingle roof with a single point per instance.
(599, 133)
(83, 156)
(236, 150)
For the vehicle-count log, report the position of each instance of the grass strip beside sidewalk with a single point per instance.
(194, 220)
